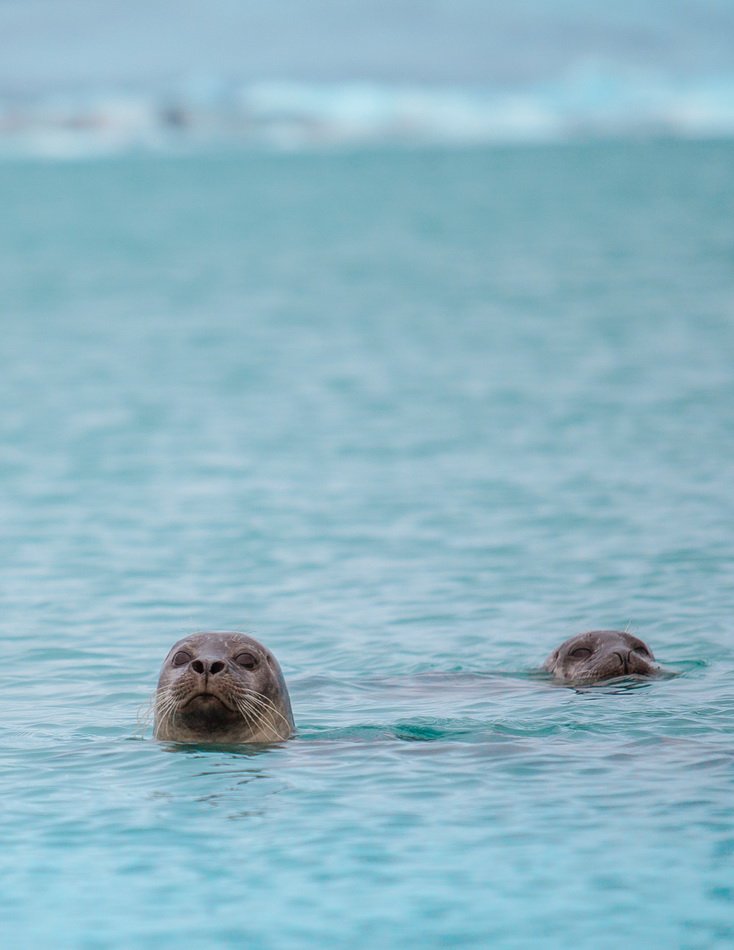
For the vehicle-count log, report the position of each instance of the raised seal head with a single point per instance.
(222, 688)
(601, 655)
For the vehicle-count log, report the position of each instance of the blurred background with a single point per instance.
(400, 335)
(82, 75)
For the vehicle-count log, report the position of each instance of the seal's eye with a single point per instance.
(580, 653)
(248, 660)
(181, 658)
(641, 648)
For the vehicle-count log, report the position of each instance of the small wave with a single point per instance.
(591, 102)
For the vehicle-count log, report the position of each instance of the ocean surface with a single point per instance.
(410, 417)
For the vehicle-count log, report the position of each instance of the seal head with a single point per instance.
(222, 688)
(601, 655)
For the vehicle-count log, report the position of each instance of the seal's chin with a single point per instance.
(205, 715)
(205, 702)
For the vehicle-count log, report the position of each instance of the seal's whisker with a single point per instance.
(165, 706)
(163, 698)
(254, 715)
(266, 703)
(261, 706)
(145, 714)
(246, 712)
(257, 713)
(272, 709)
(264, 720)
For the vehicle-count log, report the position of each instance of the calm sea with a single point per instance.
(411, 418)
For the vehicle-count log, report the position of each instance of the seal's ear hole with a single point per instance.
(580, 653)
(181, 658)
(246, 660)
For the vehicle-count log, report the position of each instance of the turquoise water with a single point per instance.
(411, 418)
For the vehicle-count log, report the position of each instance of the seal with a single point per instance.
(223, 688)
(601, 655)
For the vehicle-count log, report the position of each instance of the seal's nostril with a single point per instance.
(216, 667)
(197, 666)
(623, 659)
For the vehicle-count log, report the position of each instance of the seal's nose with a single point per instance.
(624, 659)
(640, 664)
(211, 667)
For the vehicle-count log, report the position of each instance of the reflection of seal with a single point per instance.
(601, 655)
(222, 687)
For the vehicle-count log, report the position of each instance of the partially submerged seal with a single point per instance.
(601, 655)
(222, 688)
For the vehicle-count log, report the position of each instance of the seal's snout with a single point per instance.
(204, 667)
(624, 659)
(641, 664)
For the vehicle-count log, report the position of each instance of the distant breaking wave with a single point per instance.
(588, 104)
